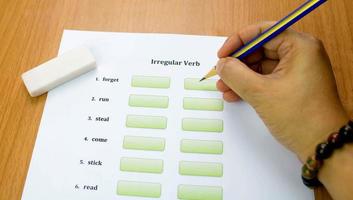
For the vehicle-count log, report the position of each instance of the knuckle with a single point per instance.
(266, 24)
(313, 44)
(316, 43)
(285, 47)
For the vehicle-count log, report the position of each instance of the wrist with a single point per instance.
(318, 132)
(324, 151)
(341, 161)
(336, 173)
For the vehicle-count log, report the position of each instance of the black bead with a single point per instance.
(336, 140)
(347, 133)
(350, 123)
(323, 151)
(311, 183)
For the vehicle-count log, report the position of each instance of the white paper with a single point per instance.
(255, 166)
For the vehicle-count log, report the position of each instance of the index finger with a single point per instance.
(247, 34)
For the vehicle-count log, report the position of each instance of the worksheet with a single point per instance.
(142, 126)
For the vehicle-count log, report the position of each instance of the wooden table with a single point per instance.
(30, 32)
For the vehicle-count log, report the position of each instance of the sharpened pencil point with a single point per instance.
(202, 79)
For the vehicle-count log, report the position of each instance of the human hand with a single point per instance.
(290, 84)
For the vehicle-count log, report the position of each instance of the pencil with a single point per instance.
(272, 32)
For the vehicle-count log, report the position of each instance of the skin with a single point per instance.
(290, 84)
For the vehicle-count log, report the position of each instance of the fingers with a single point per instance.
(238, 77)
(228, 94)
(222, 87)
(283, 52)
(271, 49)
(230, 45)
(237, 40)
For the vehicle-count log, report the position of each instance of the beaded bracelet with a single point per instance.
(324, 150)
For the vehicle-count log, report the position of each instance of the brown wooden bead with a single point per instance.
(307, 173)
(313, 164)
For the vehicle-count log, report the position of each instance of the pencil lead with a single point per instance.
(202, 79)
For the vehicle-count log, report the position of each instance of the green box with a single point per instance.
(141, 165)
(211, 104)
(192, 168)
(149, 101)
(150, 82)
(144, 143)
(204, 125)
(201, 146)
(196, 84)
(140, 189)
(144, 121)
(198, 192)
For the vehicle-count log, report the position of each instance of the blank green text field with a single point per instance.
(201, 146)
(192, 168)
(144, 143)
(150, 81)
(141, 165)
(140, 189)
(196, 84)
(210, 104)
(204, 125)
(144, 121)
(148, 101)
(198, 192)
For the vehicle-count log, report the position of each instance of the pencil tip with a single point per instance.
(202, 79)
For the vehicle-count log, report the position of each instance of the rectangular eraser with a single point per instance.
(59, 70)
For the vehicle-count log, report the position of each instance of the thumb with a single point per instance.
(240, 78)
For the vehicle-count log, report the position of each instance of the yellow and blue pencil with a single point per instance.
(272, 32)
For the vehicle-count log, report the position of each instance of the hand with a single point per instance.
(290, 84)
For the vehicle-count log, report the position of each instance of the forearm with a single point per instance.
(337, 173)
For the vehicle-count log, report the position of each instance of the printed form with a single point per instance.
(142, 126)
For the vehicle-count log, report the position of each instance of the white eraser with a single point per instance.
(56, 71)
